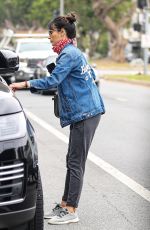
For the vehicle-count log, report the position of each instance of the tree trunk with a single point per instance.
(117, 48)
(117, 42)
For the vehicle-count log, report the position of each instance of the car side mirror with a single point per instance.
(9, 61)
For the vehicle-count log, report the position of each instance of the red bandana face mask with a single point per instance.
(60, 45)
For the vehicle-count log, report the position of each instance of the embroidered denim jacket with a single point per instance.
(79, 97)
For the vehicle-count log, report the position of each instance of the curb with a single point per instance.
(133, 82)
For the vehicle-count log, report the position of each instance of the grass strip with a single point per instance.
(139, 77)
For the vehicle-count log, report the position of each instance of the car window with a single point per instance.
(26, 46)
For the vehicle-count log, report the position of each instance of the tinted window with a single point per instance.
(34, 46)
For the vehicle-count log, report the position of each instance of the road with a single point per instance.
(116, 188)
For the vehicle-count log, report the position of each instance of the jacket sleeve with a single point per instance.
(63, 67)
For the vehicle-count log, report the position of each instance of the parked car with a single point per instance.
(31, 51)
(21, 197)
(46, 67)
(7, 75)
(97, 79)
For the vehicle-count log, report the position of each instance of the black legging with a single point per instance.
(81, 136)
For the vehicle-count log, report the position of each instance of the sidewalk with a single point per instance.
(105, 64)
(123, 72)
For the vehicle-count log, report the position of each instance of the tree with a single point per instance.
(111, 16)
(14, 12)
(88, 26)
(114, 15)
(42, 11)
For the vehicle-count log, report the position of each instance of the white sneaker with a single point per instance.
(55, 211)
(64, 217)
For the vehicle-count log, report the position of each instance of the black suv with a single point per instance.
(21, 197)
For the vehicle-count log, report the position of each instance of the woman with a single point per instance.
(80, 106)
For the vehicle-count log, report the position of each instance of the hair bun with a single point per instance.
(71, 17)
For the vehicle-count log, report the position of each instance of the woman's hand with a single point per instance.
(19, 85)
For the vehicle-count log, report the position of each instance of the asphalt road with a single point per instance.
(116, 188)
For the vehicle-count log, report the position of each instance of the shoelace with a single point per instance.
(63, 212)
(56, 207)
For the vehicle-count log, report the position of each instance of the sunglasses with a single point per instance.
(50, 32)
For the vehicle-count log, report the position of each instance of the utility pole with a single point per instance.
(146, 49)
(144, 5)
(61, 7)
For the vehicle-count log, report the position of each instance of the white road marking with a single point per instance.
(133, 185)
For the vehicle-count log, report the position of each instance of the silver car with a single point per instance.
(31, 52)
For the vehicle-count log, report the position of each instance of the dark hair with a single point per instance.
(67, 22)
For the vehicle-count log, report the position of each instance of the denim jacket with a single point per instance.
(79, 97)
